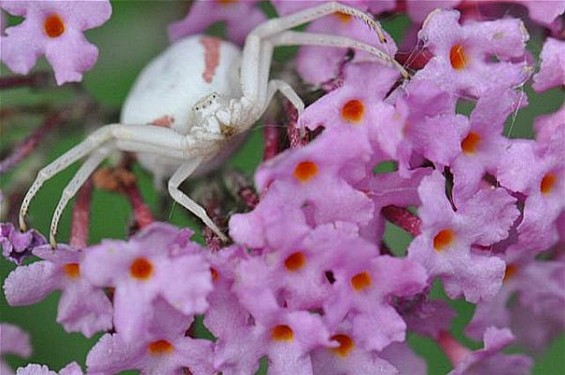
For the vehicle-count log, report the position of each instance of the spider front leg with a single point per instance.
(85, 170)
(178, 177)
(258, 49)
(136, 138)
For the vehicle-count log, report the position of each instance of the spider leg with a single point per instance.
(258, 50)
(253, 84)
(178, 177)
(85, 170)
(287, 91)
(138, 138)
(291, 38)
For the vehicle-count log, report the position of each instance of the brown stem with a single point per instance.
(35, 80)
(402, 218)
(122, 180)
(81, 216)
(25, 147)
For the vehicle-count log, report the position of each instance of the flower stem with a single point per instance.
(35, 80)
(272, 137)
(452, 348)
(81, 216)
(403, 218)
(30, 143)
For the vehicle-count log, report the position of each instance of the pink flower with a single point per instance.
(16, 246)
(157, 262)
(552, 71)
(447, 245)
(461, 53)
(483, 142)
(536, 315)
(240, 18)
(165, 349)
(53, 29)
(61, 270)
(33, 369)
(349, 357)
(490, 360)
(14, 341)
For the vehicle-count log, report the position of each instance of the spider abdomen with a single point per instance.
(168, 88)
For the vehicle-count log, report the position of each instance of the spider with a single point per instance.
(190, 104)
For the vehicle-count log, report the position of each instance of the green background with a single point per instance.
(136, 33)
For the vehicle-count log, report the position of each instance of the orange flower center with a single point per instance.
(141, 269)
(160, 347)
(547, 183)
(282, 332)
(353, 111)
(346, 345)
(72, 270)
(511, 270)
(54, 26)
(305, 171)
(361, 281)
(443, 239)
(470, 143)
(457, 57)
(295, 261)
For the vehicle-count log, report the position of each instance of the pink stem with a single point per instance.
(141, 211)
(452, 348)
(296, 135)
(403, 218)
(81, 216)
(271, 137)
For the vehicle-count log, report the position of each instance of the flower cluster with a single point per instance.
(310, 282)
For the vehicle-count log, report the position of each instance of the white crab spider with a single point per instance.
(189, 104)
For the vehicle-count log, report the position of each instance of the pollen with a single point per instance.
(443, 239)
(510, 271)
(54, 26)
(345, 347)
(361, 281)
(141, 269)
(282, 332)
(353, 111)
(470, 143)
(295, 261)
(547, 183)
(343, 17)
(160, 347)
(72, 270)
(305, 171)
(457, 57)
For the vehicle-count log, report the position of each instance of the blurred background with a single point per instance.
(135, 33)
